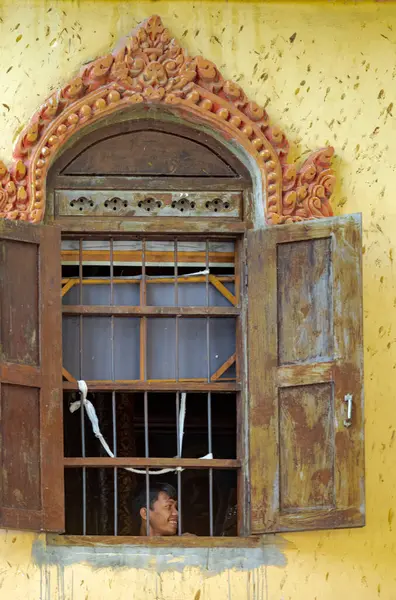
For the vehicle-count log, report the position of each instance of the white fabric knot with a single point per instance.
(91, 412)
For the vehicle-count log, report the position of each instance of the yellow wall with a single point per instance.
(334, 84)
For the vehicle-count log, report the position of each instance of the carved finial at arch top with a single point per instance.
(151, 67)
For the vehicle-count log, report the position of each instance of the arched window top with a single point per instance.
(143, 148)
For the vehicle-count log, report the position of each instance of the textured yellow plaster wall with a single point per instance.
(335, 83)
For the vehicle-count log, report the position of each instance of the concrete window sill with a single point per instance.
(167, 542)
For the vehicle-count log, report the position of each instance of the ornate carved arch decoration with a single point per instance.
(150, 67)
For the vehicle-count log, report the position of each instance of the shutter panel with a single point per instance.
(31, 434)
(305, 359)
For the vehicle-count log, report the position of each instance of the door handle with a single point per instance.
(348, 420)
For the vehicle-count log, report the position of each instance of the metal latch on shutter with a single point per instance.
(246, 279)
(348, 420)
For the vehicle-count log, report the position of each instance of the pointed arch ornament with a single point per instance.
(150, 67)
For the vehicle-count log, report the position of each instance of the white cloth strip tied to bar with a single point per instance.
(91, 413)
(149, 277)
(186, 276)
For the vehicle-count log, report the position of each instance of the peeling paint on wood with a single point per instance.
(335, 43)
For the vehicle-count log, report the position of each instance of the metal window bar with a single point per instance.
(143, 320)
(179, 492)
(143, 375)
(146, 451)
(176, 286)
(176, 273)
(113, 396)
(209, 394)
(113, 404)
(211, 533)
(82, 411)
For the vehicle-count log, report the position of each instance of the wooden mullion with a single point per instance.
(138, 462)
(155, 280)
(158, 311)
(155, 225)
(157, 385)
(151, 257)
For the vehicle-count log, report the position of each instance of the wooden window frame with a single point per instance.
(238, 309)
(322, 372)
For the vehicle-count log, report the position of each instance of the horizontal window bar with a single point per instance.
(165, 311)
(157, 386)
(155, 463)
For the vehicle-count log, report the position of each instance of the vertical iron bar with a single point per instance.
(143, 322)
(113, 397)
(82, 409)
(179, 494)
(146, 450)
(209, 393)
(143, 376)
(147, 502)
(210, 470)
(113, 401)
(143, 288)
(176, 272)
(111, 271)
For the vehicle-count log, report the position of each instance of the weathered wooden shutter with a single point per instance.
(305, 361)
(31, 436)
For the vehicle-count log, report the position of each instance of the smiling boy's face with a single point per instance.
(163, 515)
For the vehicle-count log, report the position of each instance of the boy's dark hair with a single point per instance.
(140, 500)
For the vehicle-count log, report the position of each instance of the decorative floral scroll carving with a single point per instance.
(151, 67)
(13, 191)
(307, 193)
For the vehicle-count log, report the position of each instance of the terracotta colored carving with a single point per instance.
(150, 67)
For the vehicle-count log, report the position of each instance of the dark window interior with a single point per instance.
(162, 433)
(106, 348)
